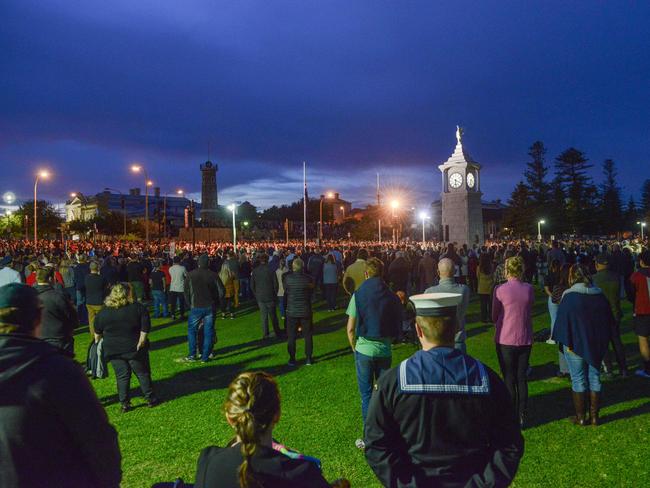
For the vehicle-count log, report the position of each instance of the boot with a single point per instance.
(579, 405)
(594, 407)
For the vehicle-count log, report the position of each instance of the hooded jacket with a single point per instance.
(53, 430)
(59, 319)
(584, 321)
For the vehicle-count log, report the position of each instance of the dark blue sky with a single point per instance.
(352, 87)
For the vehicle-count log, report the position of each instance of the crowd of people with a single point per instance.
(440, 415)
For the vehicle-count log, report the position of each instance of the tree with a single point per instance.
(49, 219)
(557, 208)
(611, 213)
(518, 217)
(535, 174)
(631, 215)
(645, 199)
(571, 169)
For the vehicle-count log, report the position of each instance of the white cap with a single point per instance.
(436, 304)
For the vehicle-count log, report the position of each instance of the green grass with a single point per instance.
(321, 407)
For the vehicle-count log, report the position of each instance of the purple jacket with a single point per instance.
(512, 304)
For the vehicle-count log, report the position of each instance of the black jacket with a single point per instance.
(80, 271)
(298, 289)
(121, 328)
(59, 319)
(203, 288)
(96, 287)
(53, 431)
(218, 467)
(264, 284)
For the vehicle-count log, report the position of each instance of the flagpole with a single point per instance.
(304, 203)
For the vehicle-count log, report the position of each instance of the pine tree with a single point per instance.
(571, 169)
(645, 198)
(557, 207)
(611, 213)
(518, 217)
(535, 174)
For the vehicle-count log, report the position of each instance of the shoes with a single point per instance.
(153, 402)
(360, 444)
(594, 407)
(232, 316)
(212, 355)
(292, 362)
(189, 359)
(642, 373)
(580, 408)
(125, 407)
(550, 341)
(310, 362)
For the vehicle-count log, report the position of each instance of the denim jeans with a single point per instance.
(584, 376)
(369, 370)
(552, 311)
(159, 303)
(194, 319)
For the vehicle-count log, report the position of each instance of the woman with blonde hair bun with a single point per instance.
(512, 306)
(253, 459)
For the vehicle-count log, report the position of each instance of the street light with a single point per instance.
(232, 207)
(41, 174)
(329, 195)
(539, 229)
(9, 198)
(136, 168)
(394, 205)
(424, 216)
(180, 194)
(642, 225)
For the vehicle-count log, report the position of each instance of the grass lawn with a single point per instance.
(321, 407)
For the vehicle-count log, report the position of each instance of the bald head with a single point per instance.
(446, 268)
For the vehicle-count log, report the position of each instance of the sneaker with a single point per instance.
(232, 315)
(212, 355)
(153, 402)
(189, 359)
(642, 373)
(360, 444)
(550, 341)
(292, 362)
(125, 407)
(310, 362)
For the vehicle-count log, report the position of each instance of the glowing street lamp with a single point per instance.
(43, 174)
(642, 225)
(9, 198)
(424, 216)
(539, 229)
(136, 168)
(232, 207)
(394, 205)
(329, 195)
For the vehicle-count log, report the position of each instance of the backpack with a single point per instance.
(95, 362)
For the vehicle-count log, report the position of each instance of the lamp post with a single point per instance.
(394, 205)
(41, 174)
(233, 208)
(424, 217)
(136, 168)
(642, 225)
(180, 194)
(539, 229)
(320, 221)
(123, 205)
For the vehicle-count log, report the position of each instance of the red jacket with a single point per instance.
(641, 289)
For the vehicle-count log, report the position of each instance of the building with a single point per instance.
(341, 209)
(209, 197)
(461, 212)
(172, 206)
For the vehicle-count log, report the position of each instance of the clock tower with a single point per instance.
(462, 211)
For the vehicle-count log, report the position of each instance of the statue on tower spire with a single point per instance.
(459, 134)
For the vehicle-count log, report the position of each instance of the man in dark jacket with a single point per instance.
(59, 318)
(81, 270)
(398, 273)
(53, 430)
(203, 291)
(135, 271)
(264, 284)
(298, 288)
(442, 418)
(315, 268)
(610, 283)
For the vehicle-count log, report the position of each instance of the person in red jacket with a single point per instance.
(640, 296)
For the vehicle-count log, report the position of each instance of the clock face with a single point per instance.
(455, 180)
(470, 180)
